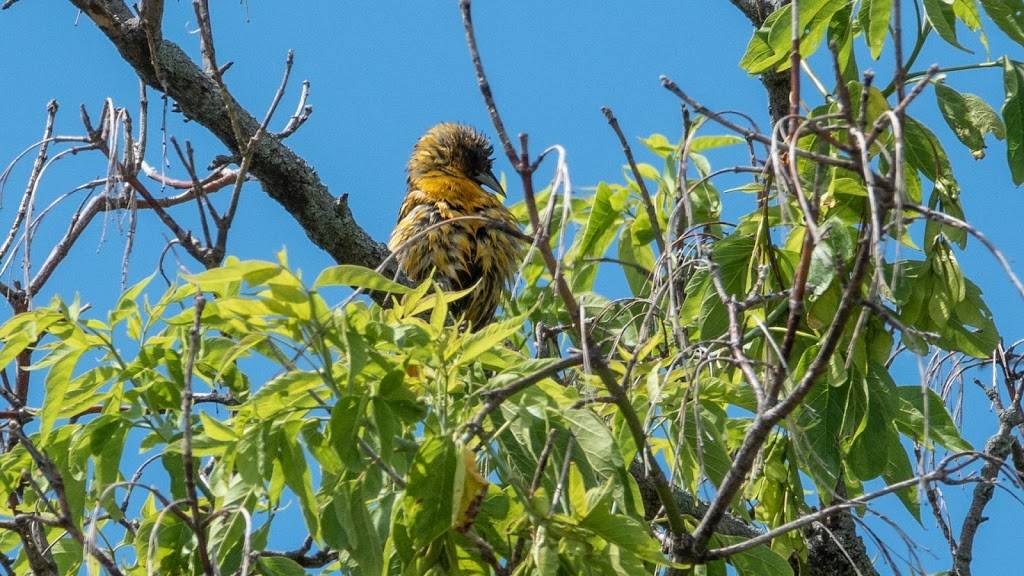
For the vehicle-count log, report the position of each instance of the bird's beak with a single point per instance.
(488, 179)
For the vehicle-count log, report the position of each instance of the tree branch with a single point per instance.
(285, 176)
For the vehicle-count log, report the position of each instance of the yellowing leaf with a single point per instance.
(468, 492)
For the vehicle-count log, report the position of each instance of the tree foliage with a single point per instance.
(737, 405)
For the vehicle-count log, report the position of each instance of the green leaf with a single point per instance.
(943, 19)
(703, 452)
(967, 12)
(925, 153)
(984, 117)
(658, 144)
(770, 45)
(354, 517)
(283, 392)
(344, 428)
(577, 491)
(280, 566)
(13, 346)
(733, 255)
(126, 305)
(910, 418)
(623, 531)
(217, 430)
(874, 18)
(1013, 115)
(601, 218)
(428, 497)
(1008, 15)
(969, 117)
(358, 277)
(702, 143)
(877, 104)
(638, 262)
(296, 474)
(841, 31)
(486, 340)
(647, 172)
(596, 441)
(867, 456)
(58, 380)
(822, 270)
(597, 236)
(899, 469)
(30, 324)
(761, 561)
(252, 271)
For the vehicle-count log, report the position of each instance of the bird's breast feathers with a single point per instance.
(462, 253)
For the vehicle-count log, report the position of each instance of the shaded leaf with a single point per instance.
(943, 19)
(910, 418)
(1013, 115)
(969, 117)
(428, 496)
(1008, 15)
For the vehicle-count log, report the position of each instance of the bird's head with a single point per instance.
(454, 150)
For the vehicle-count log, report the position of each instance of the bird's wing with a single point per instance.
(412, 199)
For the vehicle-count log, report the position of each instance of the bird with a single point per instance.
(450, 166)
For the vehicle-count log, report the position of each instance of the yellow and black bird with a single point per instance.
(449, 167)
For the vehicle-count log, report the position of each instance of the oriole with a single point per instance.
(448, 168)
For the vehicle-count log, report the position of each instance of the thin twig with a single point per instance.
(494, 398)
(955, 222)
(485, 86)
(938, 475)
(652, 214)
(301, 114)
(186, 438)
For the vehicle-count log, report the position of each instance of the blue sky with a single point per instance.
(382, 72)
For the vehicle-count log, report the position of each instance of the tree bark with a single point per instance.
(833, 547)
(284, 175)
(329, 222)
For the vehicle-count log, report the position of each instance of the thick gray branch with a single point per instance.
(756, 10)
(997, 448)
(729, 526)
(285, 176)
(833, 546)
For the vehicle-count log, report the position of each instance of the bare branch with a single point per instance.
(284, 175)
(301, 114)
(997, 449)
(25, 207)
(496, 397)
(644, 194)
(485, 86)
(940, 474)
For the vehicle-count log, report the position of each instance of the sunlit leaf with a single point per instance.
(702, 143)
(637, 262)
(874, 20)
(58, 380)
(770, 46)
(280, 566)
(358, 277)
